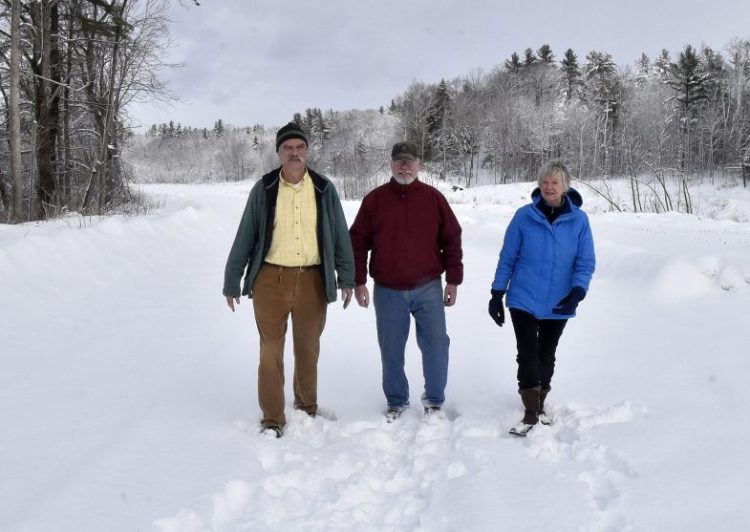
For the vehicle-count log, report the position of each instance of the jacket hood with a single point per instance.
(572, 194)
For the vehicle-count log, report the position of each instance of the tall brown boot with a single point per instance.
(530, 398)
(544, 419)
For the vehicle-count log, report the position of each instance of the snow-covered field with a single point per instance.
(128, 389)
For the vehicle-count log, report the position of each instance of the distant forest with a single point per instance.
(666, 117)
(70, 69)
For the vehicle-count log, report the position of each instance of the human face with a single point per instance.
(553, 188)
(293, 155)
(404, 169)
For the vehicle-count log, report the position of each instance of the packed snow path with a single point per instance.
(129, 403)
(415, 474)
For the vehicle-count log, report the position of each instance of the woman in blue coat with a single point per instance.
(545, 268)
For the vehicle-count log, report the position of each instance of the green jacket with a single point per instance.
(254, 234)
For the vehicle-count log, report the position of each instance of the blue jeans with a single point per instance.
(393, 311)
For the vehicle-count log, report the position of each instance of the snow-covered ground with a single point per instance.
(128, 389)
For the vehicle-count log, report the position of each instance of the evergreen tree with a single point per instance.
(308, 121)
(605, 90)
(643, 64)
(437, 122)
(545, 54)
(571, 74)
(642, 69)
(528, 57)
(663, 65)
(688, 83)
(318, 128)
(219, 129)
(439, 107)
(513, 65)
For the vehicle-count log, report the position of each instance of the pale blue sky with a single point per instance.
(259, 61)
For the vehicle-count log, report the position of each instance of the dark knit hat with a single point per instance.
(404, 150)
(289, 131)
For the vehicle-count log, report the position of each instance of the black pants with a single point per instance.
(536, 341)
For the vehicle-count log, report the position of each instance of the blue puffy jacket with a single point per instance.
(541, 261)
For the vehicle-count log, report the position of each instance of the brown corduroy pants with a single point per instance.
(279, 292)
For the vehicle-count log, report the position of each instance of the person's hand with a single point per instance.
(362, 295)
(449, 295)
(495, 307)
(231, 300)
(568, 304)
(346, 295)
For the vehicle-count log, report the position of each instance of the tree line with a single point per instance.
(666, 118)
(351, 146)
(75, 65)
(173, 153)
(689, 115)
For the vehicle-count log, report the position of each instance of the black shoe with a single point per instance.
(434, 414)
(392, 415)
(272, 430)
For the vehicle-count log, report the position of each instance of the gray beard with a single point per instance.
(402, 181)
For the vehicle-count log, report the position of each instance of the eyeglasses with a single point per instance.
(405, 161)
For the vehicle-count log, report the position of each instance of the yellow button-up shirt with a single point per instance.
(295, 238)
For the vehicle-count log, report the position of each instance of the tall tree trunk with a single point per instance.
(56, 88)
(46, 116)
(94, 109)
(111, 176)
(15, 120)
(67, 151)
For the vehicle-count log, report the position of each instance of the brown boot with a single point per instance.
(530, 399)
(544, 419)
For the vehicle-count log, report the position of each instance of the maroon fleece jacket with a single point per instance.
(412, 234)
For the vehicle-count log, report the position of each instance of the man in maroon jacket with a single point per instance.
(413, 237)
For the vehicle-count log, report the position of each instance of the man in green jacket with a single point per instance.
(291, 243)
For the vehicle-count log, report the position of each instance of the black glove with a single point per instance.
(495, 307)
(568, 304)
